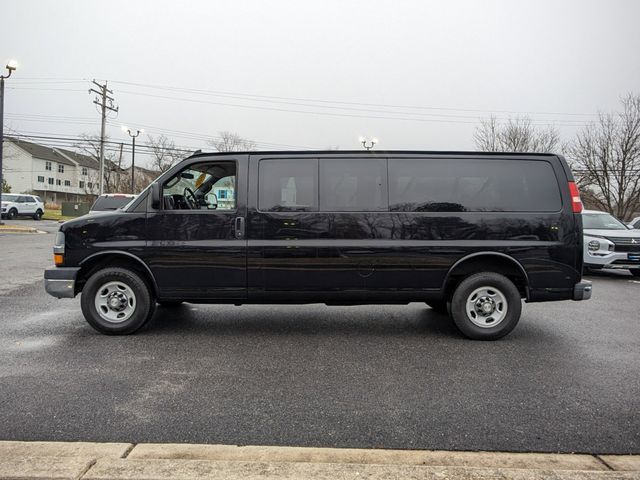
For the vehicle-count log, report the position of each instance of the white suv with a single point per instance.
(14, 205)
(609, 243)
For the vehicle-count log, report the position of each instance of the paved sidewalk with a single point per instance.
(18, 229)
(123, 461)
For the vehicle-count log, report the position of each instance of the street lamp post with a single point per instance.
(11, 66)
(368, 145)
(133, 153)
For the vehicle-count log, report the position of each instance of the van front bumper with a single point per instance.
(582, 290)
(60, 282)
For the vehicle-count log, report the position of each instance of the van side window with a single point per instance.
(465, 185)
(353, 185)
(288, 185)
(205, 186)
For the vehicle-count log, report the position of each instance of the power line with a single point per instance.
(273, 97)
(255, 107)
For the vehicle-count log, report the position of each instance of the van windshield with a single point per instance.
(600, 221)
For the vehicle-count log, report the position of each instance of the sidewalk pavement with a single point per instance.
(18, 229)
(125, 461)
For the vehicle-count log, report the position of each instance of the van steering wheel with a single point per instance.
(190, 198)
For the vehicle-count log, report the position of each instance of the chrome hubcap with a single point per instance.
(486, 307)
(115, 302)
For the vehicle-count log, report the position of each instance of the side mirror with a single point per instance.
(213, 198)
(155, 196)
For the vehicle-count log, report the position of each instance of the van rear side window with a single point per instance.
(353, 185)
(288, 185)
(466, 185)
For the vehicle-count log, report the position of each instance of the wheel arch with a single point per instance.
(487, 262)
(114, 258)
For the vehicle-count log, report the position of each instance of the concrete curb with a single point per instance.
(84, 460)
(17, 229)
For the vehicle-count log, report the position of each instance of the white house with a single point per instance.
(55, 174)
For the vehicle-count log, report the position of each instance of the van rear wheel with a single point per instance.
(486, 306)
(117, 301)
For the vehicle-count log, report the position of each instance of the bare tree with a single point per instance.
(605, 157)
(90, 145)
(517, 134)
(164, 153)
(231, 142)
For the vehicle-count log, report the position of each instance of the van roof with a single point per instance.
(371, 152)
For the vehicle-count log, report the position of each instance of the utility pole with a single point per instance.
(105, 102)
(11, 66)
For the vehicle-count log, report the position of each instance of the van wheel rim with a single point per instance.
(115, 302)
(486, 307)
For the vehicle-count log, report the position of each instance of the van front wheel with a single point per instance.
(486, 306)
(116, 301)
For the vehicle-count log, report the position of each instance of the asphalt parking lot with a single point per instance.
(566, 380)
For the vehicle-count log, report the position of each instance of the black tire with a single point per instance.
(635, 272)
(439, 306)
(493, 282)
(38, 215)
(142, 311)
(13, 213)
(170, 304)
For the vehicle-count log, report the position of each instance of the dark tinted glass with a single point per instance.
(353, 185)
(467, 185)
(288, 185)
(110, 203)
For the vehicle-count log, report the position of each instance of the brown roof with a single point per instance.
(55, 154)
(40, 151)
(82, 159)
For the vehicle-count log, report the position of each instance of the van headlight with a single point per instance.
(593, 245)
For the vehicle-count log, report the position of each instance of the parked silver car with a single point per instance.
(609, 243)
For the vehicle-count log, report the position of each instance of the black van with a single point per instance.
(470, 234)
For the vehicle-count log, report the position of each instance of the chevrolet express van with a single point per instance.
(469, 234)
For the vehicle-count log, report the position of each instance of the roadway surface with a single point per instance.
(566, 380)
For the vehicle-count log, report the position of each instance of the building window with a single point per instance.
(89, 185)
(60, 168)
(81, 184)
(50, 181)
(58, 182)
(40, 179)
(47, 166)
(67, 183)
(85, 171)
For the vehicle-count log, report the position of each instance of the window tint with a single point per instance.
(288, 185)
(459, 185)
(353, 185)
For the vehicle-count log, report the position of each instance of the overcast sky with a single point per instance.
(317, 74)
